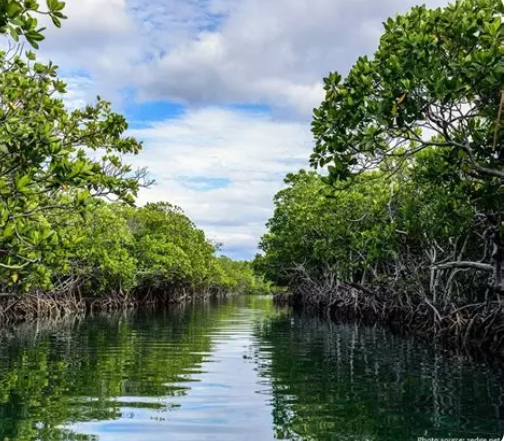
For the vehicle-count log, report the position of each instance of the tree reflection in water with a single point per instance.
(346, 382)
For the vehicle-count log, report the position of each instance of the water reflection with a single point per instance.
(347, 382)
(236, 369)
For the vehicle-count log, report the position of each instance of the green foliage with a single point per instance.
(379, 230)
(102, 260)
(46, 165)
(435, 80)
(314, 227)
(19, 18)
(57, 168)
(53, 162)
(413, 144)
(171, 251)
(239, 277)
(117, 248)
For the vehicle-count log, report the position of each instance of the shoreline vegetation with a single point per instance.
(117, 256)
(406, 226)
(71, 238)
(474, 331)
(56, 308)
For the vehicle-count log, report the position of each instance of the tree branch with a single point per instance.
(464, 264)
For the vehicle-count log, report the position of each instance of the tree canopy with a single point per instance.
(412, 142)
(436, 80)
(19, 18)
(68, 224)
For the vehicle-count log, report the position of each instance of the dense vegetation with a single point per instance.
(407, 225)
(68, 227)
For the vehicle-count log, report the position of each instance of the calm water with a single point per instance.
(235, 370)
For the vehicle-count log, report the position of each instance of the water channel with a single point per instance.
(235, 369)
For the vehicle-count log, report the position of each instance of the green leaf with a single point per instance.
(23, 182)
(31, 4)
(13, 9)
(56, 21)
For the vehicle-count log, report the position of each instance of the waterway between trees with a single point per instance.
(235, 369)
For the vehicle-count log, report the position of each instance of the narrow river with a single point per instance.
(235, 369)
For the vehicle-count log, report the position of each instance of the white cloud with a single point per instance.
(98, 38)
(220, 51)
(250, 152)
(79, 89)
(208, 54)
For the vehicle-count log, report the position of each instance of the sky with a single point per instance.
(221, 92)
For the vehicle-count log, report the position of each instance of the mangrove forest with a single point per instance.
(71, 238)
(369, 307)
(405, 223)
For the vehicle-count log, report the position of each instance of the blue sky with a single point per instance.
(221, 92)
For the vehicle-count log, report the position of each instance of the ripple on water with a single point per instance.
(236, 370)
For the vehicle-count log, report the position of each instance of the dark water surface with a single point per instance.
(235, 370)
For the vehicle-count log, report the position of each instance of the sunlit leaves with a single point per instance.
(19, 18)
(379, 225)
(43, 168)
(439, 70)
